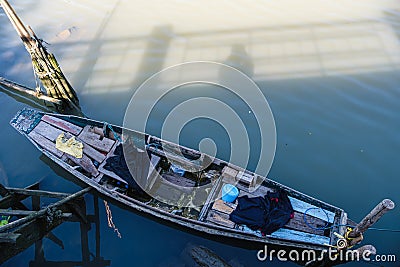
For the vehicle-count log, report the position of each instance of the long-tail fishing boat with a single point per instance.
(92, 151)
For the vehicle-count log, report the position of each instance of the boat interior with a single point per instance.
(164, 169)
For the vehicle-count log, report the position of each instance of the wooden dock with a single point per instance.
(29, 226)
(58, 93)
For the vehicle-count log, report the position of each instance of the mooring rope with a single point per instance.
(110, 220)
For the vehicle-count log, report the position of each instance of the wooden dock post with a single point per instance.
(380, 209)
(46, 68)
(356, 236)
(32, 225)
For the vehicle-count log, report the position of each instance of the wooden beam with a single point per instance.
(30, 232)
(41, 193)
(15, 212)
(374, 216)
(28, 93)
(43, 211)
(9, 238)
(220, 219)
(13, 200)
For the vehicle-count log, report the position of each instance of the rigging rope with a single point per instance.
(110, 220)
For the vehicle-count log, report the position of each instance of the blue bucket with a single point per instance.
(229, 193)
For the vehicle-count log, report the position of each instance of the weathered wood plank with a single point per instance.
(93, 153)
(85, 162)
(48, 131)
(89, 151)
(40, 193)
(220, 219)
(221, 206)
(7, 212)
(289, 234)
(45, 143)
(301, 206)
(93, 139)
(297, 223)
(62, 124)
(10, 238)
(43, 211)
(13, 200)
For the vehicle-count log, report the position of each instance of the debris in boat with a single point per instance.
(110, 219)
(69, 146)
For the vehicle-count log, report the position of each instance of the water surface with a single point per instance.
(329, 70)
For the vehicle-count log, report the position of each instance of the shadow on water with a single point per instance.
(314, 68)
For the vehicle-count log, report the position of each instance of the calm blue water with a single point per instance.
(330, 72)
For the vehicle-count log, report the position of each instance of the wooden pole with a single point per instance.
(42, 212)
(371, 218)
(45, 65)
(16, 22)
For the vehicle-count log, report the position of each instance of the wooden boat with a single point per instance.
(312, 226)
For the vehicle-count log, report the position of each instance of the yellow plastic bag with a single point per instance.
(69, 146)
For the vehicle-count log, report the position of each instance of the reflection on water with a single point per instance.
(329, 69)
(86, 222)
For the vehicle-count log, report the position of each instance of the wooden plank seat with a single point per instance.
(88, 136)
(290, 234)
(224, 207)
(48, 131)
(45, 143)
(45, 135)
(220, 219)
(89, 150)
(62, 124)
